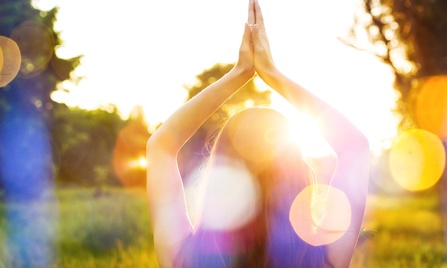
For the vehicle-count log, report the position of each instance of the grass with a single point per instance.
(113, 230)
(89, 230)
(402, 231)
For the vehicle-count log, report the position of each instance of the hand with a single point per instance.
(263, 60)
(246, 50)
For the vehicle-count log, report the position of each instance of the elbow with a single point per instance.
(150, 148)
(151, 142)
(360, 143)
(358, 147)
(158, 143)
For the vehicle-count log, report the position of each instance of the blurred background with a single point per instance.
(84, 84)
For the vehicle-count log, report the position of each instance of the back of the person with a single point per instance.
(267, 241)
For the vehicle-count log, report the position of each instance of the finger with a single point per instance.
(258, 14)
(259, 39)
(250, 36)
(247, 41)
(255, 36)
(246, 35)
(251, 13)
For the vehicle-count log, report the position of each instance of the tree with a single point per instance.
(83, 144)
(410, 36)
(26, 160)
(25, 104)
(197, 149)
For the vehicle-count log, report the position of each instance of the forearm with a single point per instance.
(184, 122)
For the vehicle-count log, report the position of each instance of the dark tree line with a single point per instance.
(43, 142)
(26, 109)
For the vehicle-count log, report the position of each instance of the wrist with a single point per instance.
(243, 73)
(271, 76)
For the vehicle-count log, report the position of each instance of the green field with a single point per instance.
(107, 230)
(402, 231)
(112, 230)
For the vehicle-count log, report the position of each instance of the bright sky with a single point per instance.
(142, 52)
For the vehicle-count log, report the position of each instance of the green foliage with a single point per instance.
(109, 230)
(83, 144)
(27, 98)
(35, 88)
(402, 231)
(408, 35)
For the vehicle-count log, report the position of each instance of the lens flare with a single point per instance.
(36, 43)
(129, 161)
(10, 59)
(258, 134)
(1, 59)
(417, 159)
(430, 105)
(231, 197)
(320, 214)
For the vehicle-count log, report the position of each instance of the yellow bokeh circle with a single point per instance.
(320, 214)
(417, 159)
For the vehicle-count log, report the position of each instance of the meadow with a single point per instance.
(112, 229)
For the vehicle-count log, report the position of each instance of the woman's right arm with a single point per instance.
(165, 193)
(167, 206)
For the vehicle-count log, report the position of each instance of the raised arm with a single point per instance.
(167, 206)
(352, 171)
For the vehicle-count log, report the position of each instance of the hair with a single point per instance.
(257, 139)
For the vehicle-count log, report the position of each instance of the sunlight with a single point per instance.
(139, 163)
(128, 160)
(303, 129)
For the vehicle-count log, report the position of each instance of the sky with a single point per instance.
(143, 52)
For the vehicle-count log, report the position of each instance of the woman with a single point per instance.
(254, 141)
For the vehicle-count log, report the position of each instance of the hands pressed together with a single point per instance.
(254, 53)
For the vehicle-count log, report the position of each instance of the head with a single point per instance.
(257, 141)
(260, 140)
(259, 137)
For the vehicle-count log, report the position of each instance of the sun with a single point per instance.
(303, 129)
